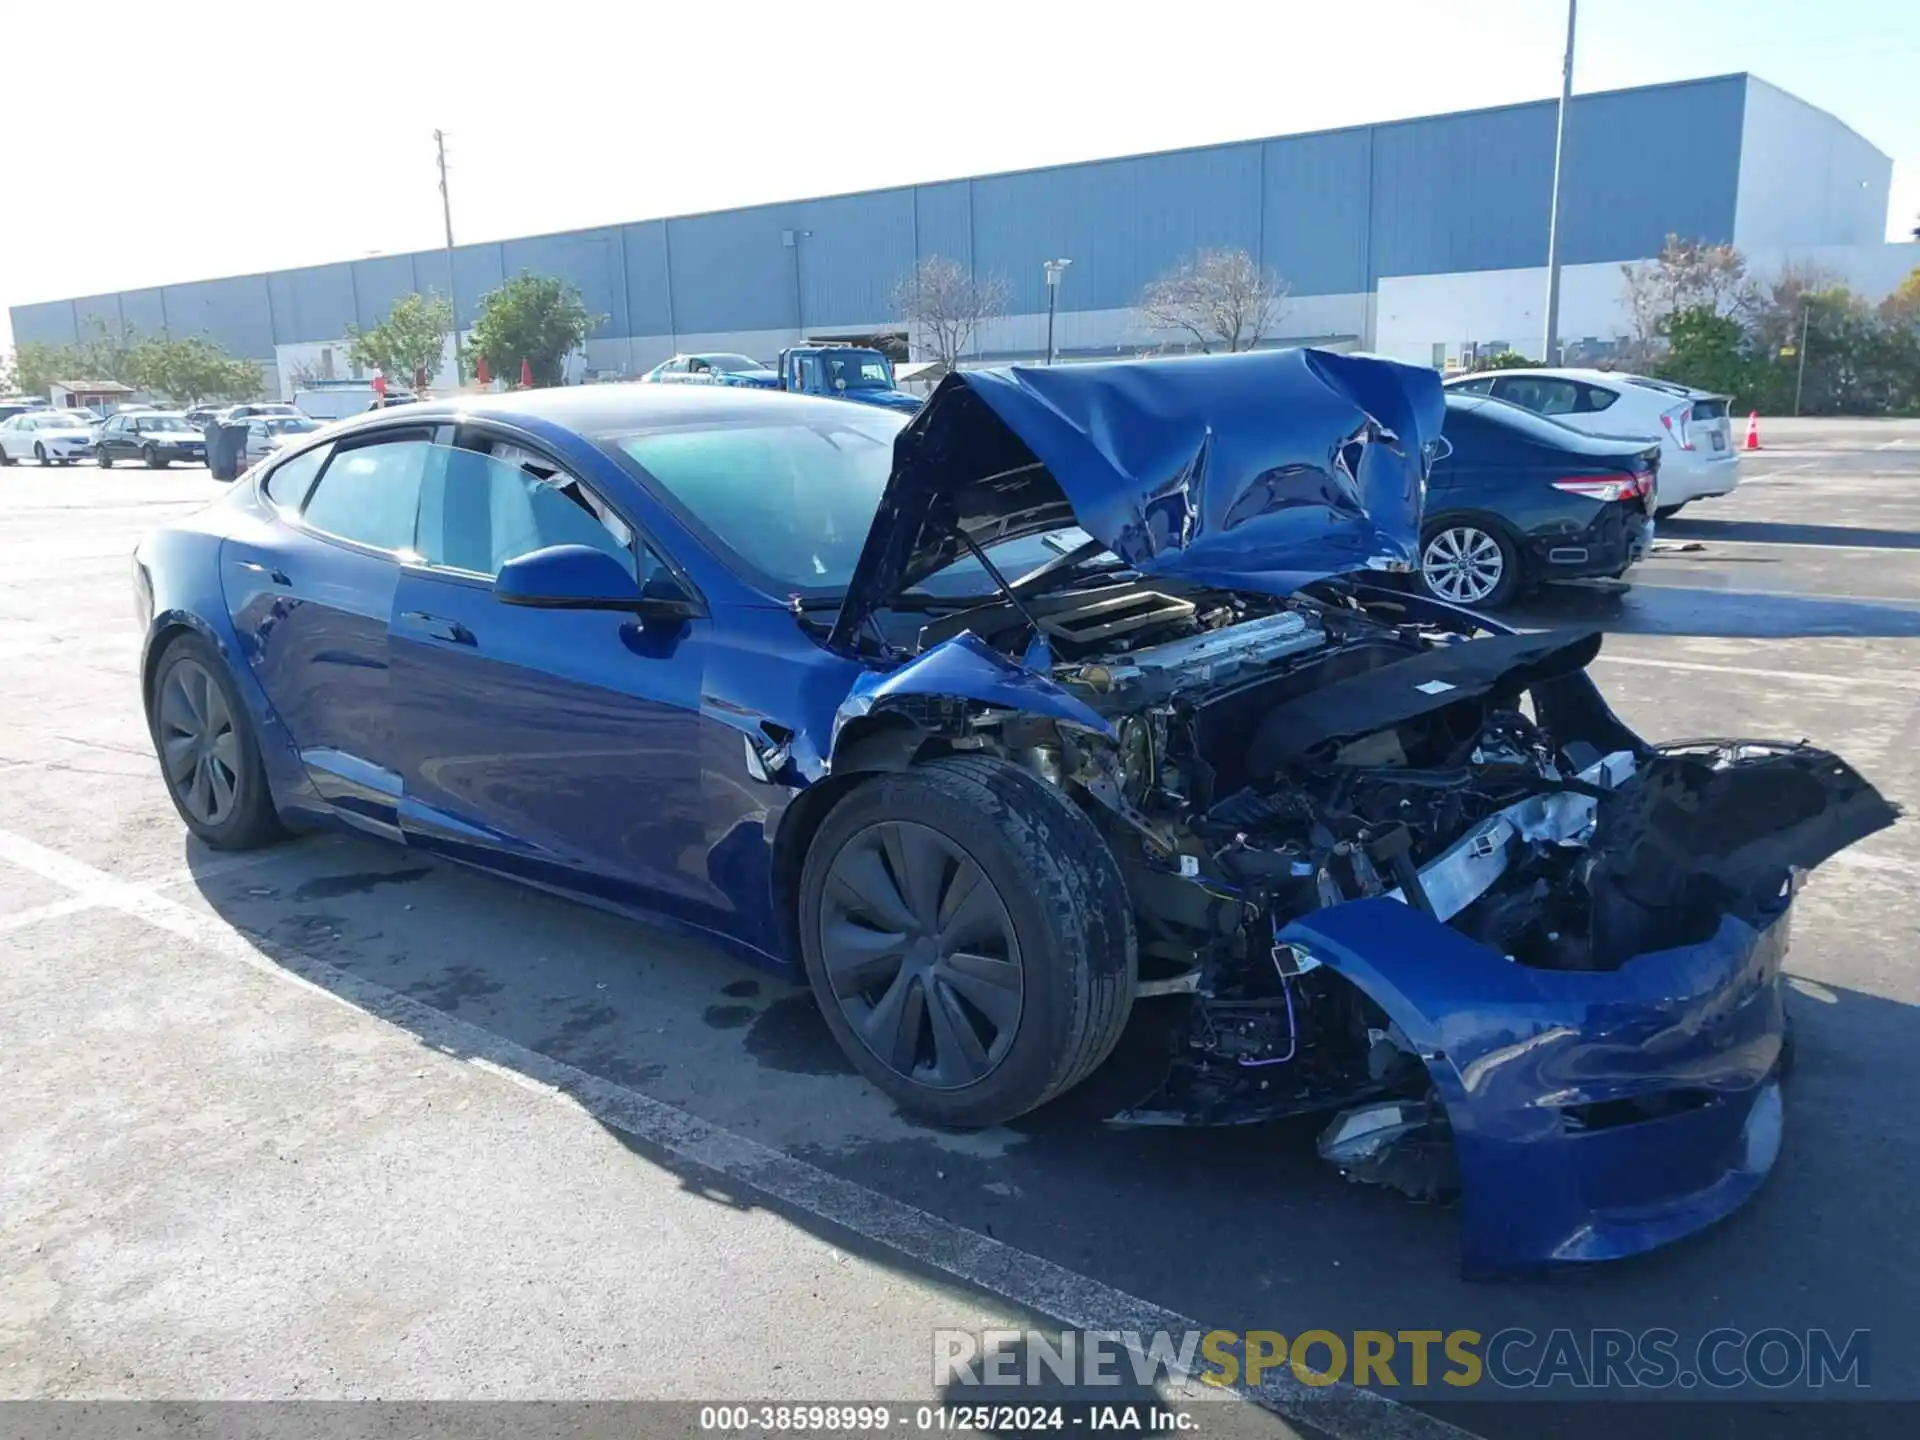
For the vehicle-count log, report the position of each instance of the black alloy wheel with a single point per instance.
(968, 936)
(921, 954)
(209, 756)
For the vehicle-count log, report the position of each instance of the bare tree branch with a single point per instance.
(945, 305)
(1219, 297)
(1686, 275)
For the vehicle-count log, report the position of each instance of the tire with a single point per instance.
(1667, 512)
(40, 455)
(180, 697)
(5, 458)
(155, 460)
(1465, 562)
(1063, 915)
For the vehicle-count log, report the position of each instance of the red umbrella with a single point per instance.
(480, 371)
(526, 375)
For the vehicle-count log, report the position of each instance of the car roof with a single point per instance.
(1568, 372)
(595, 410)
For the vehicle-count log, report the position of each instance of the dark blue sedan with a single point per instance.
(1091, 703)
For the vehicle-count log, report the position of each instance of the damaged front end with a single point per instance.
(1389, 862)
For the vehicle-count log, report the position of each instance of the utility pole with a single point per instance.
(1800, 377)
(1551, 348)
(446, 214)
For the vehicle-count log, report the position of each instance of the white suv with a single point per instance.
(1697, 454)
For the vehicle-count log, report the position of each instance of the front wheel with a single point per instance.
(155, 460)
(40, 454)
(1465, 563)
(968, 937)
(209, 753)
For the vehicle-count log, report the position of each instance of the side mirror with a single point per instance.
(579, 577)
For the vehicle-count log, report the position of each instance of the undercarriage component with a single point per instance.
(1402, 1144)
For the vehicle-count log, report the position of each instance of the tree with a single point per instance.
(36, 365)
(1902, 307)
(945, 305)
(1219, 297)
(9, 379)
(1711, 351)
(409, 343)
(1506, 360)
(535, 318)
(1687, 274)
(192, 370)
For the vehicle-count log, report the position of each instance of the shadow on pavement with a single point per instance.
(1775, 532)
(1660, 609)
(1240, 1229)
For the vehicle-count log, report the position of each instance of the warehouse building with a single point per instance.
(1425, 239)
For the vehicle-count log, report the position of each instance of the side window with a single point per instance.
(1593, 399)
(1482, 386)
(1541, 394)
(478, 511)
(287, 484)
(371, 494)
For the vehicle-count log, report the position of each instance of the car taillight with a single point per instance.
(1603, 487)
(1676, 421)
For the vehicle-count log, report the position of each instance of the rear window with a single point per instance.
(1709, 409)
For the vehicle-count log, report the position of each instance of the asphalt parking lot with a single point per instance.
(336, 1121)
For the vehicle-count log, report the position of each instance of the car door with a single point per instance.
(312, 598)
(10, 436)
(558, 745)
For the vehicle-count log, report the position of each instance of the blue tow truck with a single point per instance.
(845, 372)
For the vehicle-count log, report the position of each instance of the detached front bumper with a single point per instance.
(1595, 1114)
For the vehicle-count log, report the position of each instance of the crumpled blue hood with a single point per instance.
(1260, 471)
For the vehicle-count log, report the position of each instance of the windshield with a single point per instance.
(289, 425)
(793, 499)
(731, 364)
(162, 422)
(860, 369)
(76, 417)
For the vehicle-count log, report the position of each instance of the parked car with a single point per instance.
(12, 405)
(251, 408)
(713, 369)
(1697, 454)
(155, 437)
(337, 402)
(752, 664)
(268, 433)
(51, 437)
(1522, 499)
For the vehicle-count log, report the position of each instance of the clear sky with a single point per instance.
(567, 113)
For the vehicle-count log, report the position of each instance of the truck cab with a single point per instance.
(844, 372)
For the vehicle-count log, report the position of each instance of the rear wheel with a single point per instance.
(106, 460)
(968, 937)
(209, 754)
(1465, 563)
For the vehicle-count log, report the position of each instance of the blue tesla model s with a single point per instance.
(1088, 700)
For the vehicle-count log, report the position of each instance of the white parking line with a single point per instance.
(1816, 677)
(1073, 1300)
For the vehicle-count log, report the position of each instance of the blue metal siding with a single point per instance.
(732, 272)
(377, 282)
(1329, 212)
(1316, 213)
(943, 220)
(93, 314)
(314, 303)
(51, 322)
(1643, 164)
(648, 310)
(230, 313)
(1123, 222)
(853, 252)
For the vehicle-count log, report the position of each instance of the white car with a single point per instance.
(52, 437)
(267, 433)
(1697, 454)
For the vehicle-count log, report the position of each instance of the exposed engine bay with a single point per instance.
(1272, 758)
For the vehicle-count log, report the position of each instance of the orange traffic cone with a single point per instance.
(1753, 430)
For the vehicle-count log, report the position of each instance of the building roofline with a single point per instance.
(912, 185)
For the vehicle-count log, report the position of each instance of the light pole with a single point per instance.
(1800, 375)
(1055, 269)
(446, 214)
(1552, 343)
